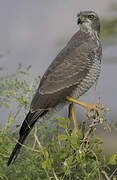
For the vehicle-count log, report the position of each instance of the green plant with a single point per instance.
(51, 153)
(109, 27)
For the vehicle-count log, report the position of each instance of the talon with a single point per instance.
(97, 107)
(100, 105)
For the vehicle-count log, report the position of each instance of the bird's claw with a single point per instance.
(94, 107)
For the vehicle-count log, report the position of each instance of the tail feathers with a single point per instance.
(30, 119)
(17, 148)
(26, 127)
(14, 154)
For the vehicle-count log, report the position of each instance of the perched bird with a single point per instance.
(75, 69)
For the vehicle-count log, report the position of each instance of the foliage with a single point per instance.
(109, 27)
(113, 7)
(50, 153)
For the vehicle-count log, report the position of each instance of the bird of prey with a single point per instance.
(74, 70)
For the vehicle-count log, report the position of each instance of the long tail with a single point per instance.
(25, 129)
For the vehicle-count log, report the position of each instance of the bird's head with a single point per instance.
(88, 21)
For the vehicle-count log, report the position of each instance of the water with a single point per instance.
(29, 33)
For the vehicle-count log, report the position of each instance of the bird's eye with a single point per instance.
(91, 17)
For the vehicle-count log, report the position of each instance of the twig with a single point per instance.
(3, 176)
(34, 144)
(54, 174)
(47, 174)
(113, 173)
(26, 96)
(105, 174)
(91, 127)
(36, 138)
(27, 147)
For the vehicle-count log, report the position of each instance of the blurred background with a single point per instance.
(32, 32)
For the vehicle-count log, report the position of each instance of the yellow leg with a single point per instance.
(88, 107)
(72, 112)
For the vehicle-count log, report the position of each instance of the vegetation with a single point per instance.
(109, 27)
(113, 7)
(50, 153)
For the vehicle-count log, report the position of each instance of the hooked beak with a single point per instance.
(79, 21)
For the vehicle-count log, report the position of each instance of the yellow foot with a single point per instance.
(89, 107)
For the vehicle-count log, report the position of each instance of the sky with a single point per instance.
(32, 32)
(29, 29)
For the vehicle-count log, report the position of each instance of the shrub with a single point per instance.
(51, 153)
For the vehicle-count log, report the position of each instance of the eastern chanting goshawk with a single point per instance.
(74, 70)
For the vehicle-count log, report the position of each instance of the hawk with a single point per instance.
(74, 70)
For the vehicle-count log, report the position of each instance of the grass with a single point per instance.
(51, 153)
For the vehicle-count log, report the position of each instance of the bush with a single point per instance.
(109, 27)
(51, 153)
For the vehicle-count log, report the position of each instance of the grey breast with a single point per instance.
(92, 76)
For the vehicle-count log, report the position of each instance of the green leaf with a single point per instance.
(60, 118)
(62, 137)
(22, 101)
(62, 125)
(90, 155)
(22, 72)
(18, 125)
(49, 163)
(114, 178)
(7, 105)
(98, 141)
(101, 118)
(63, 122)
(44, 164)
(70, 160)
(11, 119)
(113, 159)
(107, 127)
(10, 93)
(106, 110)
(74, 138)
(46, 153)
